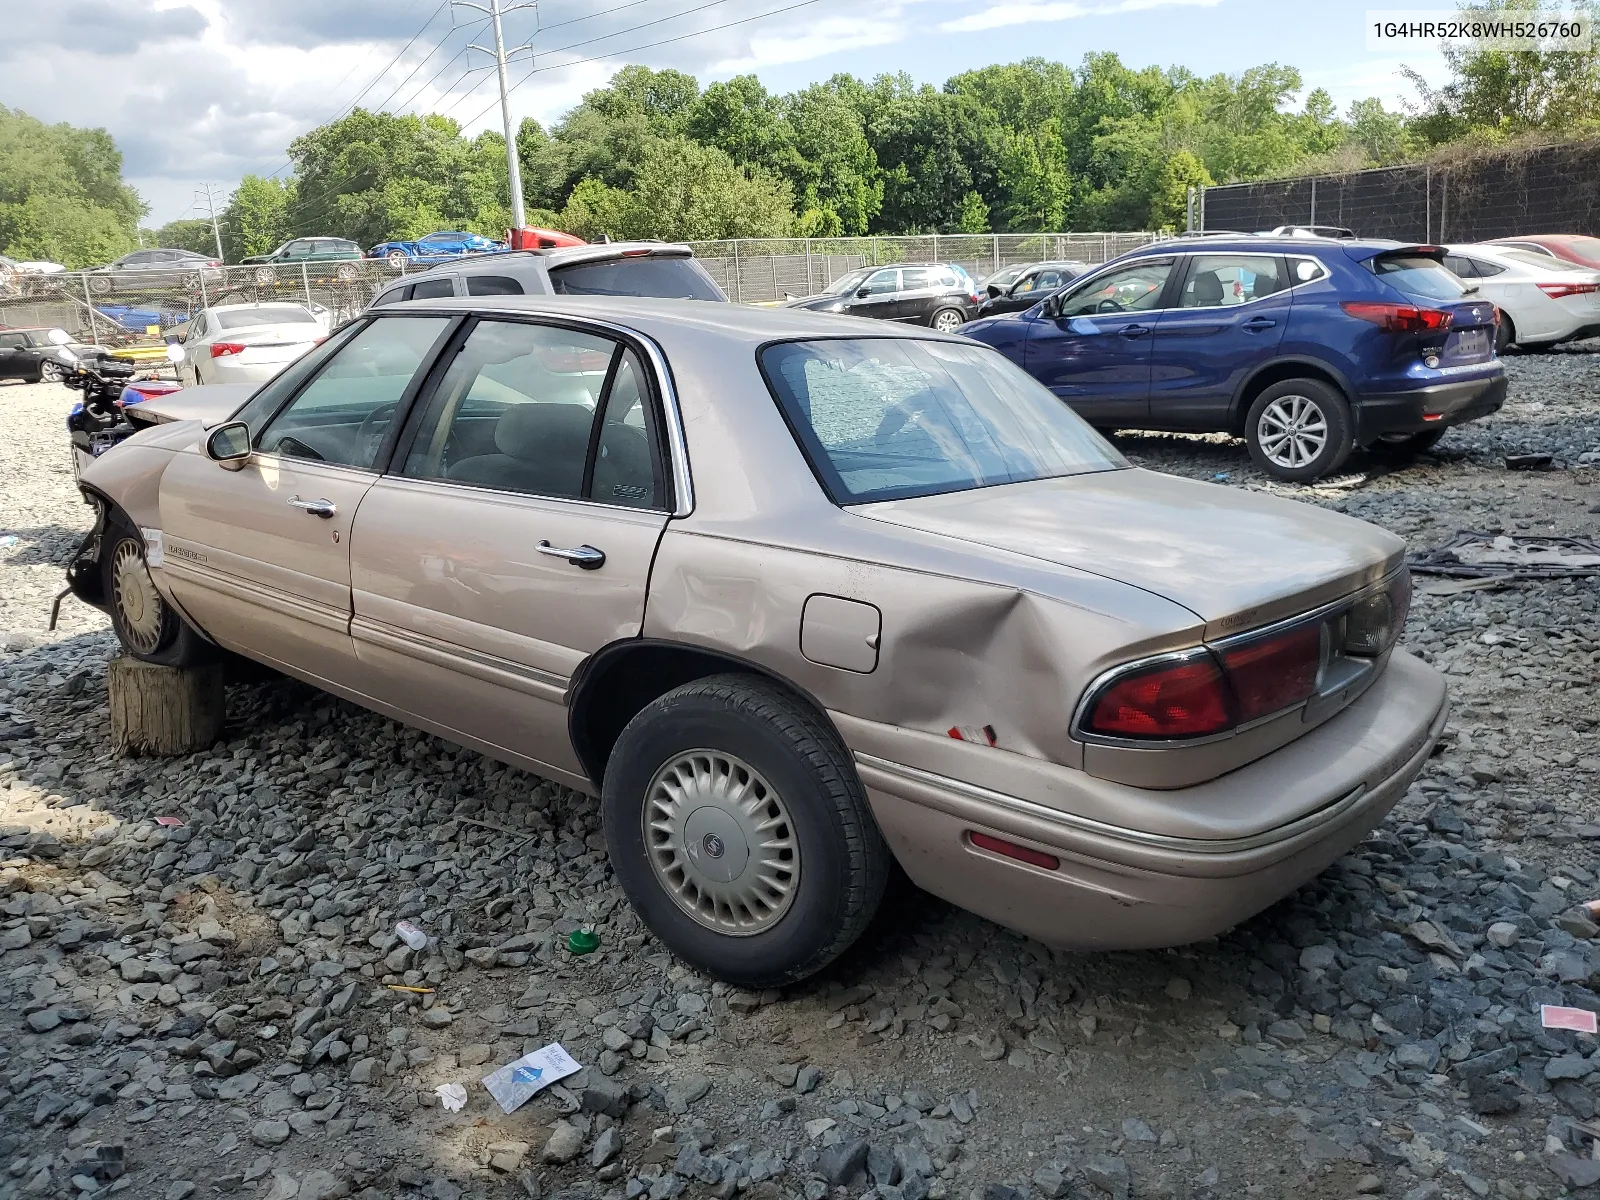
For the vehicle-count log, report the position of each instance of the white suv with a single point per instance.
(606, 269)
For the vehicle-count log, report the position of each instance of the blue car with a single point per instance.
(1305, 347)
(435, 247)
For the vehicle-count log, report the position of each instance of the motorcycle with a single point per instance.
(99, 421)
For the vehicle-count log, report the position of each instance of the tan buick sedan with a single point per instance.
(798, 596)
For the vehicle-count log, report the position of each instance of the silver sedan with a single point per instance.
(246, 343)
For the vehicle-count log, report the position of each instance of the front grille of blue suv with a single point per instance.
(1305, 347)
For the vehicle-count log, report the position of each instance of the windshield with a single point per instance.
(243, 317)
(1418, 275)
(669, 278)
(847, 283)
(885, 419)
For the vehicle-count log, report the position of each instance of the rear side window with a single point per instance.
(433, 289)
(1418, 275)
(915, 278)
(391, 297)
(669, 278)
(492, 285)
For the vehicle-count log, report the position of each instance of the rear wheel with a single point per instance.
(145, 623)
(740, 831)
(1505, 333)
(398, 259)
(1299, 430)
(947, 320)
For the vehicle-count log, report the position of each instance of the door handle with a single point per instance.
(1256, 324)
(317, 508)
(1133, 331)
(586, 557)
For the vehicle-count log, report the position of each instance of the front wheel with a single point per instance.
(49, 372)
(947, 320)
(740, 831)
(398, 259)
(144, 622)
(1299, 430)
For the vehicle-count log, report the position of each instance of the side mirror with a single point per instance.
(863, 293)
(1052, 306)
(994, 291)
(174, 352)
(229, 445)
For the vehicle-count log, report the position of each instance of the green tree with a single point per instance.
(740, 118)
(62, 196)
(1035, 183)
(193, 235)
(827, 159)
(974, 214)
(1381, 135)
(256, 220)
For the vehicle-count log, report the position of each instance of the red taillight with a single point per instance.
(1174, 700)
(1034, 858)
(1271, 674)
(1398, 318)
(1559, 291)
(223, 349)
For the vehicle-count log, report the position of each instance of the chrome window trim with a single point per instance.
(1320, 615)
(483, 489)
(1190, 254)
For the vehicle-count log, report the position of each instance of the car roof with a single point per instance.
(1264, 244)
(256, 304)
(662, 319)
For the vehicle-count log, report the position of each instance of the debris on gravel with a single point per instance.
(224, 1006)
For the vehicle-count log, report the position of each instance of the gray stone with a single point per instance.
(807, 1079)
(1051, 1183)
(1575, 1172)
(269, 1133)
(44, 1020)
(842, 1163)
(566, 1140)
(322, 1185)
(606, 1147)
(1109, 1174)
(1568, 1066)
(1136, 1130)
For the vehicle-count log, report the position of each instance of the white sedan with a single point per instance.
(1542, 300)
(246, 343)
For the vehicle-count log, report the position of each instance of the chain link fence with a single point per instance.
(132, 307)
(763, 270)
(1549, 189)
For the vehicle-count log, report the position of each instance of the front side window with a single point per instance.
(1225, 280)
(1136, 287)
(885, 419)
(516, 412)
(343, 414)
(881, 283)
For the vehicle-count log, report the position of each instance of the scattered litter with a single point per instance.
(411, 935)
(516, 833)
(1593, 906)
(1553, 1016)
(1455, 587)
(1529, 462)
(8, 541)
(453, 1096)
(1341, 483)
(581, 941)
(1220, 477)
(415, 991)
(1501, 557)
(171, 822)
(514, 1084)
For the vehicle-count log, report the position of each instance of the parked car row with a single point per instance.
(1544, 298)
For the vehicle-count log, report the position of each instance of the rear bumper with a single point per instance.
(1437, 406)
(1123, 888)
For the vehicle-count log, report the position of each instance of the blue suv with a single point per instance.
(1306, 347)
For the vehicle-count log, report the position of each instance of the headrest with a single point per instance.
(544, 431)
(1207, 287)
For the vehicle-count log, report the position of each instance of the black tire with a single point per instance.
(947, 315)
(49, 372)
(1408, 446)
(145, 623)
(1505, 333)
(841, 860)
(1320, 406)
(100, 285)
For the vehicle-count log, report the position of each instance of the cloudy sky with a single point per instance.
(199, 91)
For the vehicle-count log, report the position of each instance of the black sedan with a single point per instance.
(941, 296)
(36, 355)
(1033, 283)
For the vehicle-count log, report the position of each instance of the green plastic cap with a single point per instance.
(583, 941)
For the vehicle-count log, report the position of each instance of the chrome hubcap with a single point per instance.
(947, 322)
(1292, 431)
(136, 598)
(721, 842)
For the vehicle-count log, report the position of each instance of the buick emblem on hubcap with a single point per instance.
(713, 845)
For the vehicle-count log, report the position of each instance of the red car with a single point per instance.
(1577, 248)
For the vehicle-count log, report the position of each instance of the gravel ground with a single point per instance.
(207, 1008)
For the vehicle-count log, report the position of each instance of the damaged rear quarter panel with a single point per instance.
(987, 640)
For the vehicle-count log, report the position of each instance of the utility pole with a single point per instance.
(216, 230)
(494, 10)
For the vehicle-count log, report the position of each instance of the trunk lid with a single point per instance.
(210, 405)
(1235, 559)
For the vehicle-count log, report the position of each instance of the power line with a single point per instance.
(645, 46)
(383, 104)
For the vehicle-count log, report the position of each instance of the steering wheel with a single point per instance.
(372, 429)
(1108, 305)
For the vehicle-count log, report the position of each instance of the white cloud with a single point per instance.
(821, 38)
(1028, 12)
